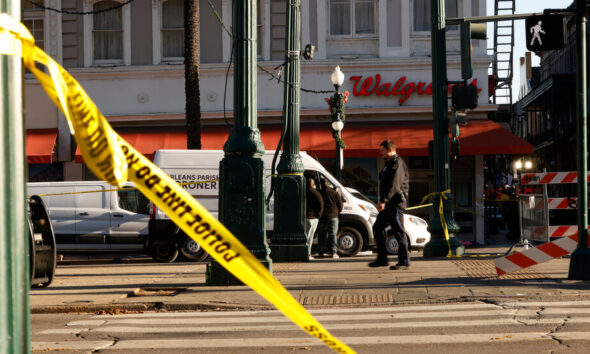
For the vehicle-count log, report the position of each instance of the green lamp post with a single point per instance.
(241, 194)
(439, 246)
(289, 241)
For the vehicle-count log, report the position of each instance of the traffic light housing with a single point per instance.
(464, 97)
(547, 32)
(469, 31)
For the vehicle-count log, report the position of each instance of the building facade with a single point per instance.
(130, 61)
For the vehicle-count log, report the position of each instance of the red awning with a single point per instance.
(481, 137)
(148, 142)
(40, 144)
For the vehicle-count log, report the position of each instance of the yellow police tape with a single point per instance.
(112, 159)
(443, 222)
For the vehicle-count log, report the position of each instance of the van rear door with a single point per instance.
(129, 219)
(93, 216)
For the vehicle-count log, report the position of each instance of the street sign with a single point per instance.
(546, 32)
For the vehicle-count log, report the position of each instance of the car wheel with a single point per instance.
(350, 241)
(391, 245)
(191, 250)
(165, 252)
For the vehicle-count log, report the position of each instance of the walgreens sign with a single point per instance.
(372, 85)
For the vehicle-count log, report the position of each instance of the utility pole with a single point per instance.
(192, 89)
(15, 322)
(289, 238)
(580, 260)
(241, 194)
(438, 246)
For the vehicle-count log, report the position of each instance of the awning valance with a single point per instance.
(478, 137)
(40, 144)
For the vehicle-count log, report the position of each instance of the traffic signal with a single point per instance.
(464, 97)
(545, 32)
(457, 118)
(469, 31)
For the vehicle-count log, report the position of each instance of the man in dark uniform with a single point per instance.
(394, 186)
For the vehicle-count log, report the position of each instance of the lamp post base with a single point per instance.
(219, 276)
(438, 247)
(288, 253)
(580, 264)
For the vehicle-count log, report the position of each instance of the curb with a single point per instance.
(117, 309)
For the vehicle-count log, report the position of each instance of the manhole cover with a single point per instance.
(485, 269)
(155, 292)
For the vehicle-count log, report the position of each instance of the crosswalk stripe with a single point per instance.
(331, 327)
(517, 316)
(308, 341)
(321, 318)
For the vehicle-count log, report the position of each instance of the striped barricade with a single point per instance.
(550, 178)
(532, 256)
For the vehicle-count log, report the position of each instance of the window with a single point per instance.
(422, 13)
(352, 17)
(134, 201)
(107, 32)
(33, 19)
(173, 29)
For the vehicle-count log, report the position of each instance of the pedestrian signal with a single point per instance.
(545, 32)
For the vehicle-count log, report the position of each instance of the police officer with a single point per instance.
(394, 186)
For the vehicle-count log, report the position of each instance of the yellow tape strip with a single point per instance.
(443, 222)
(114, 160)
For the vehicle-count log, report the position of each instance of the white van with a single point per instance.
(166, 239)
(95, 216)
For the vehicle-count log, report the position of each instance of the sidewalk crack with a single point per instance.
(553, 332)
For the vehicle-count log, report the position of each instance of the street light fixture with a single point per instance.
(336, 103)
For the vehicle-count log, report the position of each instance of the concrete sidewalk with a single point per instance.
(116, 288)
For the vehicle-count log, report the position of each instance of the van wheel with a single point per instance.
(164, 252)
(191, 250)
(350, 241)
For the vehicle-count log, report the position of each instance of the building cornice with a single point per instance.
(404, 113)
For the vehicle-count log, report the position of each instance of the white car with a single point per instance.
(416, 227)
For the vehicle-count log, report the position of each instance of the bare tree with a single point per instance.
(191, 74)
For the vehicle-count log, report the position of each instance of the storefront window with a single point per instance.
(462, 194)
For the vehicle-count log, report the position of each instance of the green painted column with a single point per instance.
(580, 260)
(241, 172)
(289, 241)
(14, 265)
(438, 247)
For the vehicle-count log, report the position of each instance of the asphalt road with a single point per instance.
(511, 327)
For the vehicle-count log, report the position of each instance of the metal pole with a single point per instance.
(438, 247)
(289, 241)
(241, 172)
(580, 260)
(338, 171)
(14, 266)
